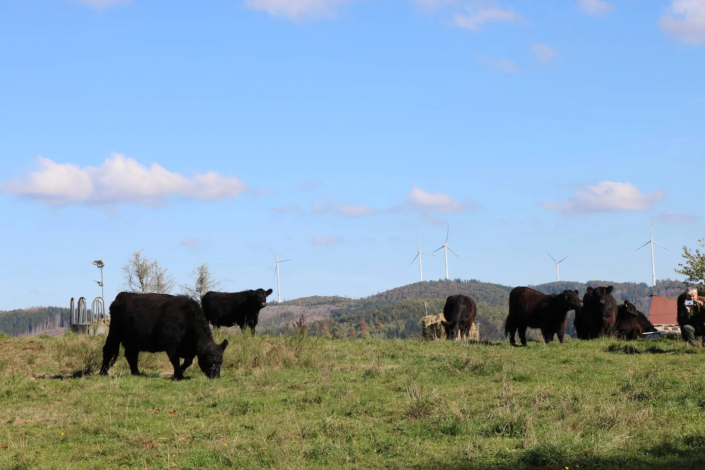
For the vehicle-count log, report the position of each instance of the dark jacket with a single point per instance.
(690, 314)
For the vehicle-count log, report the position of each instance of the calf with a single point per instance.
(161, 322)
(631, 323)
(459, 312)
(598, 315)
(529, 308)
(239, 308)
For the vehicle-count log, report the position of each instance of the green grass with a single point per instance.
(292, 402)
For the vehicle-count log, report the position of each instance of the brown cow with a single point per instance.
(459, 312)
(631, 323)
(529, 308)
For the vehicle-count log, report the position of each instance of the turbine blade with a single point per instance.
(447, 233)
(412, 261)
(275, 257)
(642, 246)
(456, 254)
(285, 260)
(564, 259)
(276, 268)
(655, 243)
(554, 259)
(439, 249)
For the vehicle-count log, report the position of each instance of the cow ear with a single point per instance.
(445, 323)
(589, 290)
(626, 303)
(269, 292)
(610, 289)
(576, 292)
(223, 345)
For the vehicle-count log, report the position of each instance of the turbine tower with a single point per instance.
(418, 255)
(445, 248)
(558, 271)
(652, 242)
(276, 273)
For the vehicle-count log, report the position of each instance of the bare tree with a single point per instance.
(202, 282)
(144, 276)
(163, 283)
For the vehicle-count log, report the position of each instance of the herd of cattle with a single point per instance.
(596, 315)
(179, 326)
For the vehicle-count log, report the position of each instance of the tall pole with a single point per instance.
(420, 267)
(102, 287)
(445, 250)
(653, 264)
(558, 273)
(279, 295)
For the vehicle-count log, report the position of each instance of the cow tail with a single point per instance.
(506, 327)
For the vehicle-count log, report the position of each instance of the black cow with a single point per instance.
(459, 312)
(598, 315)
(239, 308)
(160, 322)
(631, 323)
(532, 309)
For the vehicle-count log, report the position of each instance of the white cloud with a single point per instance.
(435, 202)
(673, 218)
(348, 210)
(686, 21)
(118, 180)
(325, 240)
(100, 4)
(296, 9)
(607, 196)
(595, 7)
(476, 19)
(500, 65)
(544, 53)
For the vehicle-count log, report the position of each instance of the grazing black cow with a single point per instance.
(160, 322)
(631, 323)
(598, 315)
(532, 309)
(459, 312)
(240, 308)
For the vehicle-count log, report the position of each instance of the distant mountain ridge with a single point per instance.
(396, 313)
(397, 310)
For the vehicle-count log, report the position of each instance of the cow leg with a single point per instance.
(511, 329)
(547, 335)
(132, 356)
(252, 330)
(187, 363)
(522, 335)
(110, 353)
(175, 359)
(561, 335)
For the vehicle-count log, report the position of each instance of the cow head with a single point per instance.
(572, 300)
(211, 361)
(630, 309)
(259, 296)
(597, 298)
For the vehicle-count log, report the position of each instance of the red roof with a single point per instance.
(662, 311)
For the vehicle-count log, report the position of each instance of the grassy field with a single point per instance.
(298, 402)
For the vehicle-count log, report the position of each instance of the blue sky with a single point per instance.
(336, 131)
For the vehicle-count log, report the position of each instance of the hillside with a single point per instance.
(34, 321)
(396, 313)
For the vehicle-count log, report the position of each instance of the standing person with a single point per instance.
(690, 315)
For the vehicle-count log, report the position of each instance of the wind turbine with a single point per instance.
(652, 242)
(445, 248)
(418, 255)
(276, 273)
(558, 271)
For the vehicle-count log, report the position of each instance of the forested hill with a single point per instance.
(396, 313)
(34, 321)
